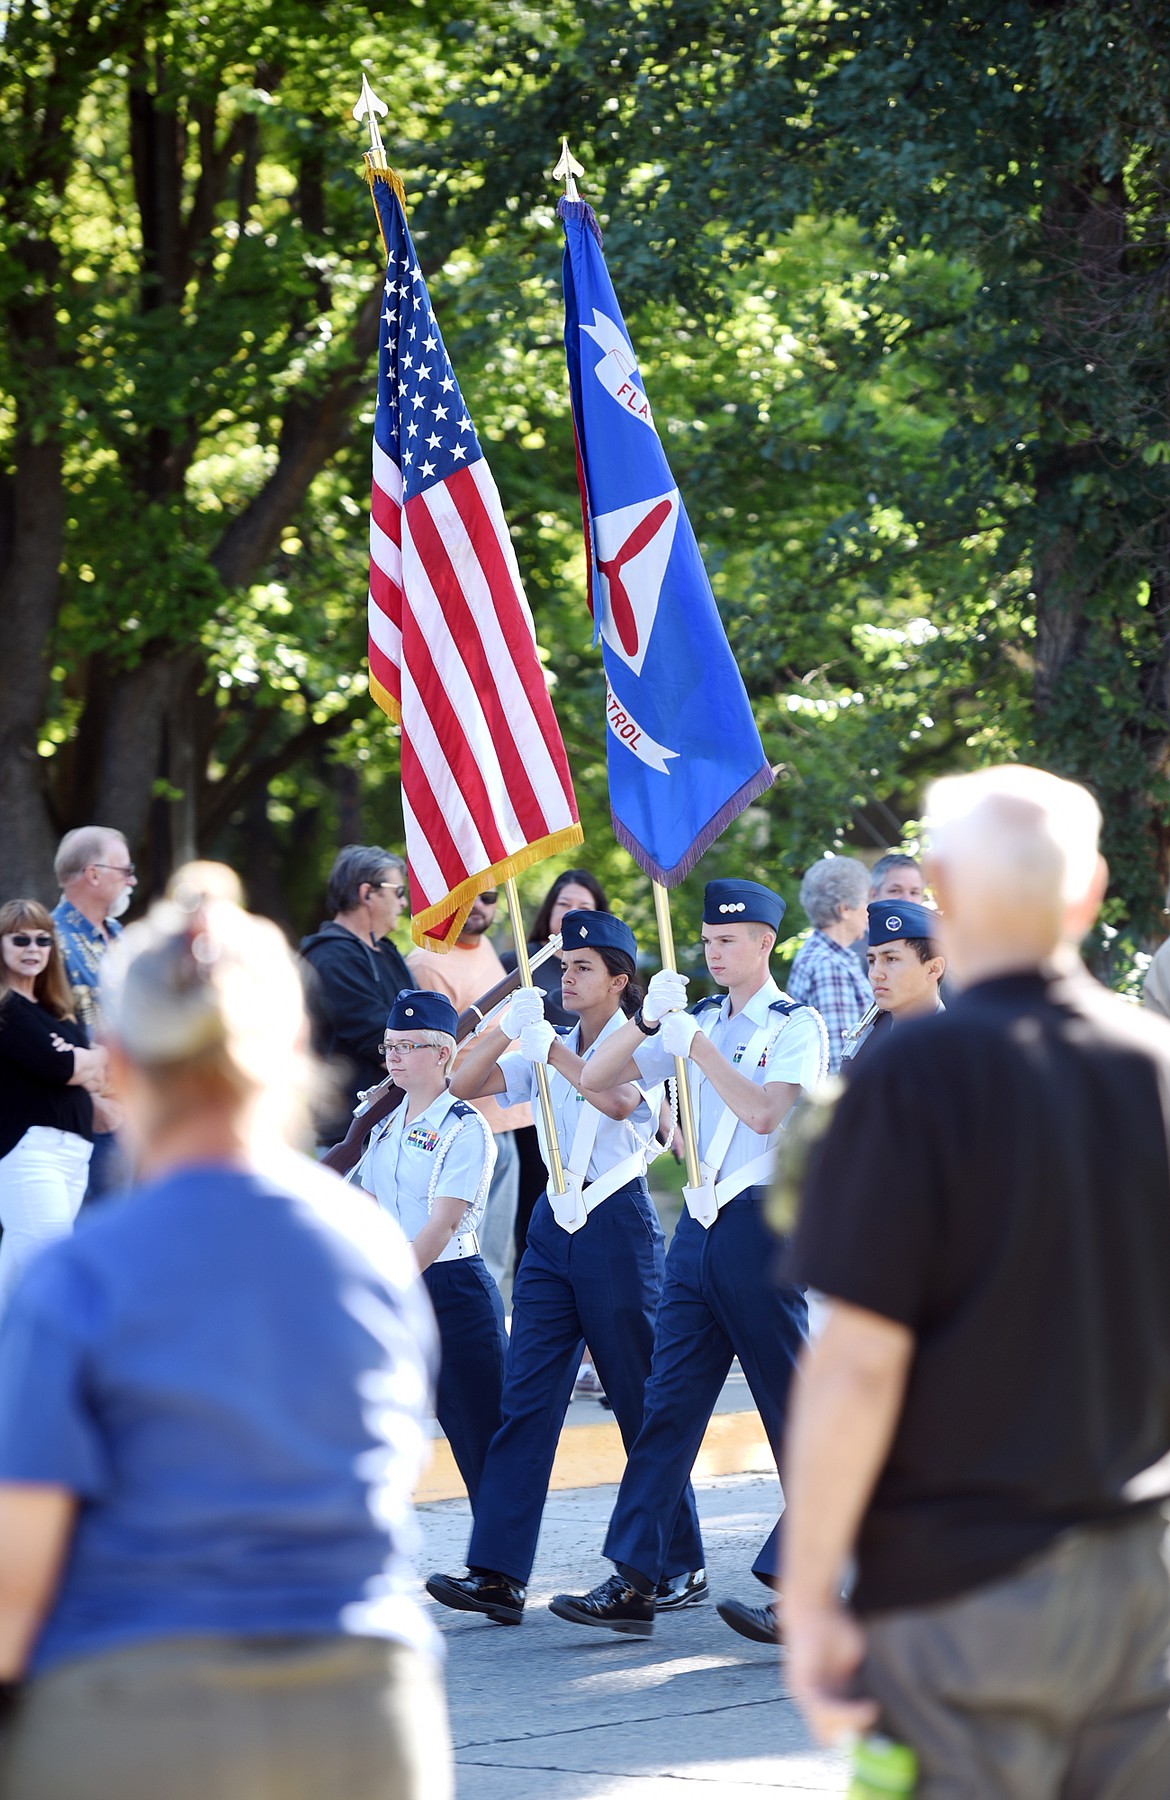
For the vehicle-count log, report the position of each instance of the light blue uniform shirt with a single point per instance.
(400, 1160)
(616, 1138)
(793, 1051)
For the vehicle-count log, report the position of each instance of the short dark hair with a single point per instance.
(539, 929)
(922, 948)
(620, 962)
(356, 865)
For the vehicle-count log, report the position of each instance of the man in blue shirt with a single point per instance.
(97, 882)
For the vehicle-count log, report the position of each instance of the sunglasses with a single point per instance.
(391, 887)
(490, 896)
(22, 939)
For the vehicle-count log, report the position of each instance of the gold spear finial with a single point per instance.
(369, 107)
(570, 168)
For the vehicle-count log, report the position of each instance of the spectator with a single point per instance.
(896, 876)
(985, 1419)
(46, 1108)
(212, 1411)
(465, 973)
(825, 974)
(574, 890)
(357, 974)
(97, 881)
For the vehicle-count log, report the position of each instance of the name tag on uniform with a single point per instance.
(422, 1137)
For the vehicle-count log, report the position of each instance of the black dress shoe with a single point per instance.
(760, 1623)
(613, 1603)
(481, 1591)
(674, 1591)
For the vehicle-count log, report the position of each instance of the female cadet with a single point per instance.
(592, 1269)
(430, 1165)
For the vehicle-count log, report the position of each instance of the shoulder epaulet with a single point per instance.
(461, 1108)
(787, 1006)
(702, 1005)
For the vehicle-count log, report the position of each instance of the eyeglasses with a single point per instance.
(128, 870)
(391, 887)
(406, 1048)
(22, 939)
(490, 896)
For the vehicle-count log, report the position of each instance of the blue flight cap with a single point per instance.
(585, 930)
(741, 903)
(420, 1009)
(892, 920)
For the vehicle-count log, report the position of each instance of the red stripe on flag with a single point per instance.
(464, 490)
(387, 593)
(384, 671)
(423, 804)
(387, 514)
(465, 632)
(456, 747)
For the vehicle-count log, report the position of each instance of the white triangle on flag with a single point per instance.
(631, 548)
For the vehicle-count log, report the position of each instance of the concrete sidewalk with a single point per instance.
(550, 1711)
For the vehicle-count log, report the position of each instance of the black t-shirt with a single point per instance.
(33, 1075)
(997, 1178)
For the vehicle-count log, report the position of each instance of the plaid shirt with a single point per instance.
(825, 975)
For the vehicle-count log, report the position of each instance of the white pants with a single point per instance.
(42, 1182)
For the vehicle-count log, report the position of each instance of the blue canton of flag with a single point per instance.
(683, 749)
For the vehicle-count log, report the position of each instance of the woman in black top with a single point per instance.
(46, 1068)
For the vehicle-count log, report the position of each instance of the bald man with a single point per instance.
(983, 1426)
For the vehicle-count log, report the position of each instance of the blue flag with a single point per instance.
(684, 753)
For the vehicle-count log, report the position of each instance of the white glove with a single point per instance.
(536, 1041)
(678, 1028)
(666, 993)
(526, 1007)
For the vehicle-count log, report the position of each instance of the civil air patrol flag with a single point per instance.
(486, 789)
(683, 750)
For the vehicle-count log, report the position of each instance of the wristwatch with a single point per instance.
(646, 1030)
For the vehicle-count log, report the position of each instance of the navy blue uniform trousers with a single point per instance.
(600, 1286)
(472, 1346)
(720, 1299)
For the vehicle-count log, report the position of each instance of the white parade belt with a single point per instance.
(705, 1201)
(571, 1209)
(463, 1244)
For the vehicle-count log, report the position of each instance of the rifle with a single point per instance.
(376, 1103)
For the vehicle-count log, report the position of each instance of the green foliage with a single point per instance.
(896, 278)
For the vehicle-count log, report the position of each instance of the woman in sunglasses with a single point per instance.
(47, 1073)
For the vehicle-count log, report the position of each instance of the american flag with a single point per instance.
(486, 789)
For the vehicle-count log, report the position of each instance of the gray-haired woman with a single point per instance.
(212, 1409)
(825, 973)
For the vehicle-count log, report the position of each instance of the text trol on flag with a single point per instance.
(486, 789)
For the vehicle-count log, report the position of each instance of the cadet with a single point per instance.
(753, 1050)
(905, 970)
(592, 1270)
(430, 1165)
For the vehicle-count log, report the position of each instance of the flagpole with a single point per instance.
(686, 1114)
(556, 1173)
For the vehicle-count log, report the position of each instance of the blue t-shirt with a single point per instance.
(233, 1373)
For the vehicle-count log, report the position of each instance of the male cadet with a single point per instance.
(752, 1050)
(905, 970)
